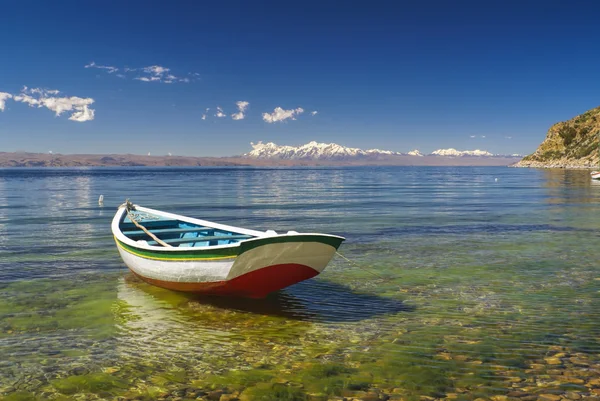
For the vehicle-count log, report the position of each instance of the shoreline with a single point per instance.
(556, 165)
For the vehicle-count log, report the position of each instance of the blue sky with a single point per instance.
(389, 75)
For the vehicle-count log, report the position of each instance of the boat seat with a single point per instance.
(212, 238)
(169, 230)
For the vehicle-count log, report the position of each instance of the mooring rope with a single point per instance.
(129, 207)
(364, 268)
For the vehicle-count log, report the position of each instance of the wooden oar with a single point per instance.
(128, 207)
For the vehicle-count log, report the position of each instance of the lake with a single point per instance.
(465, 283)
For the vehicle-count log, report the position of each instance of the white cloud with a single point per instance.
(84, 114)
(220, 113)
(108, 68)
(156, 70)
(472, 136)
(242, 105)
(37, 97)
(148, 79)
(152, 73)
(483, 136)
(3, 97)
(280, 114)
(204, 116)
(314, 113)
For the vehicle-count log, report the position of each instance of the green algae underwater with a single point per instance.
(484, 289)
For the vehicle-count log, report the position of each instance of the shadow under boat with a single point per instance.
(315, 300)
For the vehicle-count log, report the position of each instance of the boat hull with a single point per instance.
(261, 266)
(257, 284)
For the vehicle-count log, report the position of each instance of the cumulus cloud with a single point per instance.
(314, 113)
(152, 73)
(3, 97)
(108, 68)
(280, 114)
(156, 70)
(147, 79)
(242, 105)
(37, 97)
(472, 136)
(220, 113)
(204, 116)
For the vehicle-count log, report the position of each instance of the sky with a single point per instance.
(207, 78)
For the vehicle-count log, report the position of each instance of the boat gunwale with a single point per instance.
(257, 235)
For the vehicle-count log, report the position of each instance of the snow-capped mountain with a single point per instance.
(312, 150)
(318, 151)
(457, 153)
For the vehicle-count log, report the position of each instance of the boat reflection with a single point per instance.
(312, 300)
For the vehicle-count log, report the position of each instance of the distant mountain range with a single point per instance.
(268, 154)
(332, 151)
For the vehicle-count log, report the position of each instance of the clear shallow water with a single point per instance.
(483, 288)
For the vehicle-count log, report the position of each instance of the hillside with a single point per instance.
(569, 144)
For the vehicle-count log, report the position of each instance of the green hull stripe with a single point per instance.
(199, 254)
(332, 241)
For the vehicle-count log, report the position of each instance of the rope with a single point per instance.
(129, 207)
(365, 269)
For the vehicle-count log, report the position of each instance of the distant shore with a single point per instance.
(26, 159)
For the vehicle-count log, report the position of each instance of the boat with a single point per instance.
(192, 255)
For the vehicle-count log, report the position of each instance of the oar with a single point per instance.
(129, 206)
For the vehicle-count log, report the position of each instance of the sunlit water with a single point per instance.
(466, 283)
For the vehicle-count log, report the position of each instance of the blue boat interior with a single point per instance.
(176, 233)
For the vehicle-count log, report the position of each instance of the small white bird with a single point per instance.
(496, 179)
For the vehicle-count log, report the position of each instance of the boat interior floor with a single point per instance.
(180, 234)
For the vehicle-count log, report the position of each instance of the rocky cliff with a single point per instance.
(569, 144)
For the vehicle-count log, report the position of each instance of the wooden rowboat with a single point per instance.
(595, 175)
(185, 254)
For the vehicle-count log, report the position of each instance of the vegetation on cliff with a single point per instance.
(572, 143)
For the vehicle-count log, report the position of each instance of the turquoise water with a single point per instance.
(481, 283)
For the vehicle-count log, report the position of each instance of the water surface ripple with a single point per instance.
(486, 286)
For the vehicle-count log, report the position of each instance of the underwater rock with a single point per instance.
(549, 397)
(79, 371)
(229, 397)
(579, 361)
(214, 395)
(516, 394)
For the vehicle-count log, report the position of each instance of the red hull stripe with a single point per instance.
(256, 284)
